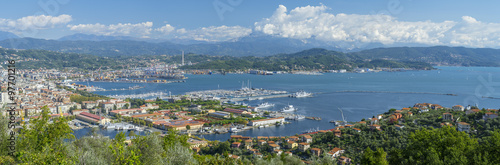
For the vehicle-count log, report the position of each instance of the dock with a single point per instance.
(257, 97)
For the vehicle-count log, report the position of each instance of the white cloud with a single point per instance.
(142, 30)
(314, 22)
(165, 29)
(213, 33)
(30, 23)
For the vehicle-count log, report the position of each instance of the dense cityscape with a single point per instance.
(249, 82)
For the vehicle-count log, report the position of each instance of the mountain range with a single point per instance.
(255, 44)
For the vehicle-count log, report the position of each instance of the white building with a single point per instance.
(266, 121)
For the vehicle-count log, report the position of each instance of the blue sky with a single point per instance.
(445, 22)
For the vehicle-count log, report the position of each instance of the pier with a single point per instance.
(143, 95)
(257, 97)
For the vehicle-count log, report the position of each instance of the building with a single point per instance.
(92, 118)
(344, 160)
(238, 112)
(122, 105)
(447, 116)
(77, 112)
(307, 139)
(292, 144)
(490, 115)
(463, 126)
(196, 143)
(335, 152)
(274, 147)
(235, 145)
(108, 106)
(89, 104)
(472, 111)
(220, 114)
(458, 108)
(127, 111)
(304, 146)
(266, 121)
(182, 124)
(337, 133)
(316, 151)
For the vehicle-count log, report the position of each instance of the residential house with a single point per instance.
(447, 116)
(235, 145)
(344, 160)
(337, 132)
(458, 108)
(472, 111)
(307, 139)
(304, 146)
(335, 152)
(292, 144)
(278, 152)
(490, 115)
(261, 142)
(316, 151)
(274, 147)
(463, 126)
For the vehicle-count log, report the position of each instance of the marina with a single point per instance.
(331, 91)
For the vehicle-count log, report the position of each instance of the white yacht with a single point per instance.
(301, 94)
(139, 129)
(299, 117)
(233, 130)
(265, 105)
(288, 108)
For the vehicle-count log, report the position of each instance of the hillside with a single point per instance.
(310, 59)
(438, 55)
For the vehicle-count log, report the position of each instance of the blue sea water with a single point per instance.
(387, 90)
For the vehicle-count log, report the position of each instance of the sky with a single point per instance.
(428, 22)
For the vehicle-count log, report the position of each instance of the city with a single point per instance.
(249, 82)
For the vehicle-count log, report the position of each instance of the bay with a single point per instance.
(360, 95)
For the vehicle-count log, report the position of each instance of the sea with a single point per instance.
(359, 95)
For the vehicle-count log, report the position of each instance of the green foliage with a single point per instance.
(374, 157)
(305, 60)
(58, 60)
(42, 141)
(123, 154)
(437, 146)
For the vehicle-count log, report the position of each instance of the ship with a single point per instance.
(311, 130)
(296, 117)
(301, 94)
(265, 105)
(233, 130)
(288, 108)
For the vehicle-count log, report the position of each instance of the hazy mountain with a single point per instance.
(91, 37)
(436, 55)
(255, 44)
(7, 35)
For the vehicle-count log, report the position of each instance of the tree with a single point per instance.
(131, 133)
(121, 154)
(188, 127)
(42, 141)
(374, 157)
(437, 146)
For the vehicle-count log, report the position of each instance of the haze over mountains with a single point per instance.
(256, 44)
